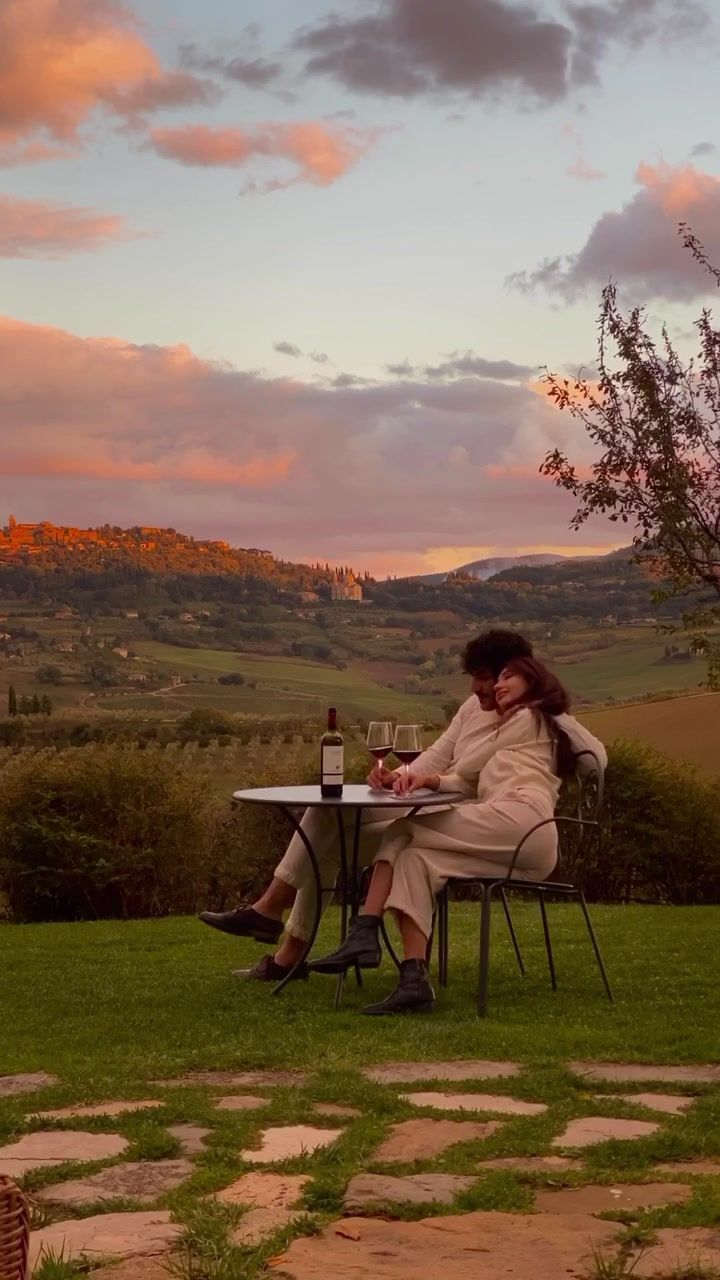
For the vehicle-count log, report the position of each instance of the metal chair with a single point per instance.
(577, 820)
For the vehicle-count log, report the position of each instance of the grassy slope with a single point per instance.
(683, 728)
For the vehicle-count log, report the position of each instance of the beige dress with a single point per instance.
(516, 785)
(456, 755)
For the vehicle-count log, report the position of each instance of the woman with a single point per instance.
(516, 774)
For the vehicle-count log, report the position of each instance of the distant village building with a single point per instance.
(65, 646)
(138, 677)
(187, 617)
(345, 586)
(120, 650)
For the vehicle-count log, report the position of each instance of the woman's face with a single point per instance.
(510, 688)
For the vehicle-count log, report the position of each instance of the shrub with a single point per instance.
(101, 830)
(661, 831)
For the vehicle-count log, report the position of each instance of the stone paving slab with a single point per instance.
(97, 1109)
(107, 1235)
(288, 1141)
(671, 1104)
(236, 1079)
(26, 1082)
(265, 1190)
(624, 1198)
(424, 1139)
(534, 1164)
(258, 1224)
(679, 1247)
(475, 1102)
(412, 1072)
(367, 1189)
(696, 1168)
(471, 1246)
(190, 1136)
(144, 1181)
(241, 1102)
(640, 1073)
(136, 1269)
(589, 1130)
(35, 1150)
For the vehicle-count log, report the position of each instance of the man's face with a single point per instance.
(482, 684)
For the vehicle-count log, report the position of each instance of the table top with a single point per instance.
(353, 797)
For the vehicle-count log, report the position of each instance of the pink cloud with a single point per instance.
(322, 153)
(638, 245)
(37, 229)
(62, 59)
(102, 429)
(582, 170)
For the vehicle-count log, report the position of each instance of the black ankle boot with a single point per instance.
(361, 947)
(413, 994)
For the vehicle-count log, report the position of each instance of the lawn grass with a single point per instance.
(115, 1008)
(129, 1001)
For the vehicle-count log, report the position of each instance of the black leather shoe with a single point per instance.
(268, 970)
(361, 947)
(244, 922)
(413, 994)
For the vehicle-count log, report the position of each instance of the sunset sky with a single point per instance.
(285, 272)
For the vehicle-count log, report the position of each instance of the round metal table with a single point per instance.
(355, 797)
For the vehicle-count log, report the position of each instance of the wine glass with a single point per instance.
(379, 739)
(407, 745)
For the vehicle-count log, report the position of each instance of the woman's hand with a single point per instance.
(405, 783)
(380, 778)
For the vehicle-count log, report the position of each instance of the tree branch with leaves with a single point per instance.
(653, 421)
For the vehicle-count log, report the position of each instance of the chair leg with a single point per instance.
(388, 944)
(431, 939)
(511, 927)
(443, 937)
(548, 943)
(596, 946)
(484, 975)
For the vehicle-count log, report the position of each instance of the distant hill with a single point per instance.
(484, 569)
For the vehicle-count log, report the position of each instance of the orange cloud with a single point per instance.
(37, 229)
(321, 152)
(61, 59)
(678, 190)
(196, 467)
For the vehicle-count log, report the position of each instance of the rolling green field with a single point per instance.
(283, 685)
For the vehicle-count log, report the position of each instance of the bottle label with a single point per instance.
(332, 765)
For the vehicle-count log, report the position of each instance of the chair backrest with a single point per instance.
(581, 798)
(14, 1232)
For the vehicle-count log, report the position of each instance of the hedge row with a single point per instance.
(108, 830)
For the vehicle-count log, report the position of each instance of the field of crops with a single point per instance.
(683, 728)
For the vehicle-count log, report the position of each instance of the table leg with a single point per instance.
(342, 844)
(355, 881)
(289, 814)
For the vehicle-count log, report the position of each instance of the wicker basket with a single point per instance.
(14, 1232)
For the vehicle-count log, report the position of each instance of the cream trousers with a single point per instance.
(321, 828)
(472, 840)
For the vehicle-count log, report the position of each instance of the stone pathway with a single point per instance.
(571, 1220)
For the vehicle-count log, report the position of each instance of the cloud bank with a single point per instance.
(96, 428)
(638, 245)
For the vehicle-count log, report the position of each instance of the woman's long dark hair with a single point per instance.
(547, 698)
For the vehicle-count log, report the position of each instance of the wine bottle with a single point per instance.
(331, 759)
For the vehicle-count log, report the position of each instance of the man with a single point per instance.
(293, 883)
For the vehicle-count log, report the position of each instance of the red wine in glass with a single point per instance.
(407, 746)
(379, 739)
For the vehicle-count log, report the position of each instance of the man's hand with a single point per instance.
(380, 778)
(405, 783)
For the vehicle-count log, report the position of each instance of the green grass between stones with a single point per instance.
(112, 1008)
